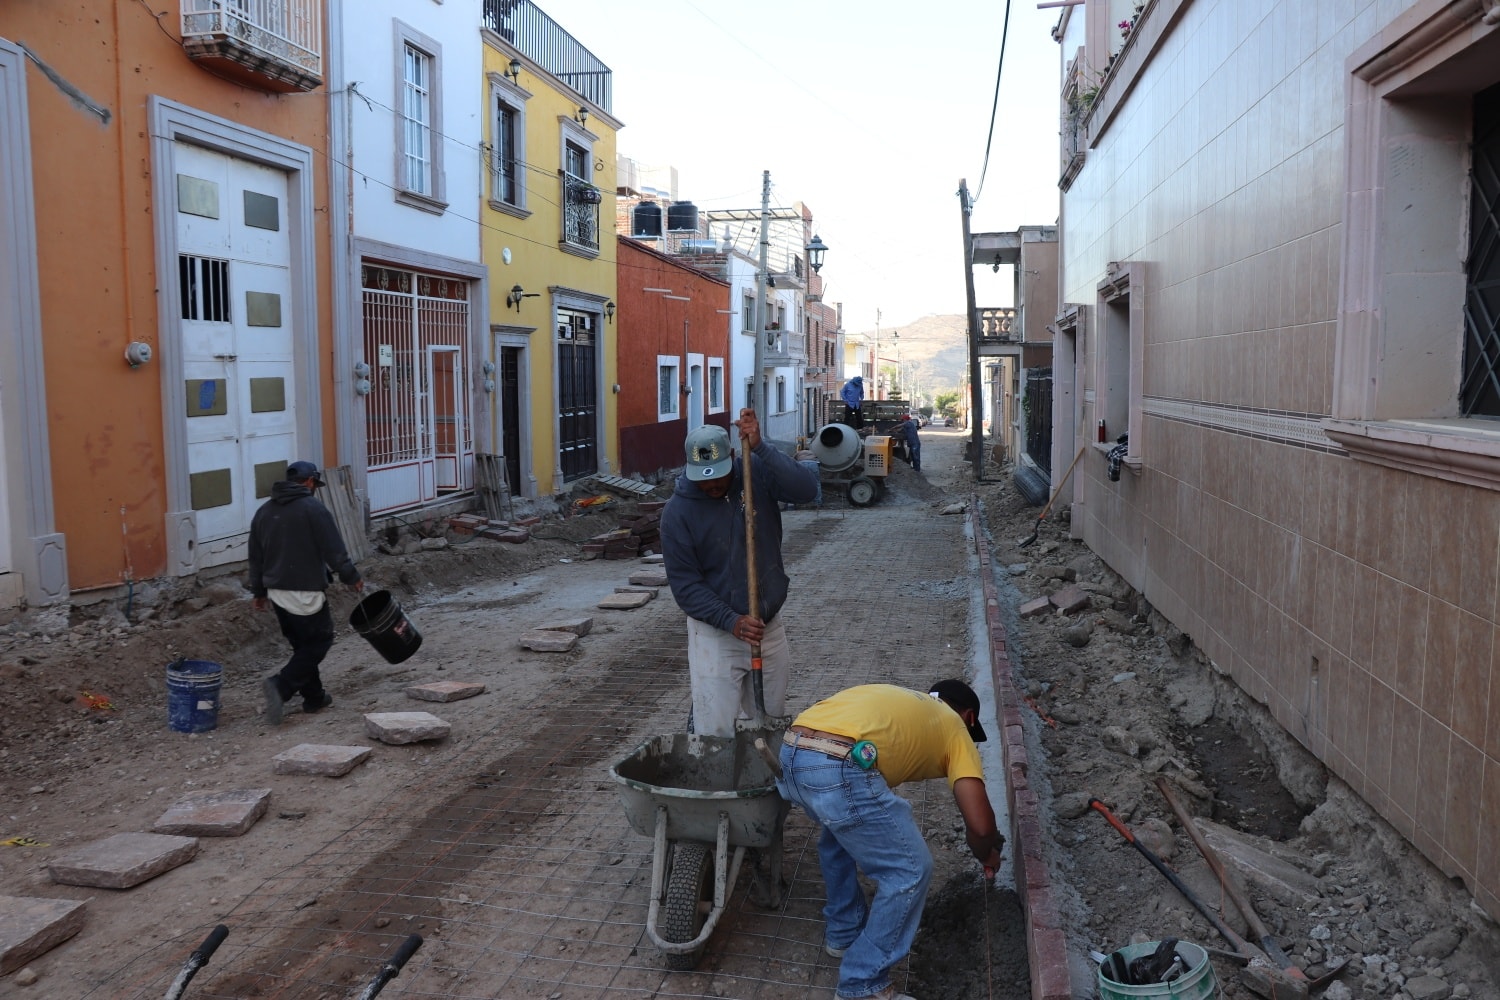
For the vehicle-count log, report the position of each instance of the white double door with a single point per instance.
(238, 345)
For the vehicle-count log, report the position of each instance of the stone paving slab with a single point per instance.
(629, 589)
(548, 641)
(320, 758)
(405, 727)
(627, 601)
(215, 813)
(31, 926)
(578, 626)
(445, 690)
(121, 861)
(653, 559)
(649, 578)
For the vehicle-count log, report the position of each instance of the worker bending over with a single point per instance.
(840, 759)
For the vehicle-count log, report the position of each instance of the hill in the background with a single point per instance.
(938, 345)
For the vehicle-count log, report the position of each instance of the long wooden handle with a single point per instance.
(757, 677)
(1058, 492)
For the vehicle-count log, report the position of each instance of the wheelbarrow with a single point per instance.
(705, 801)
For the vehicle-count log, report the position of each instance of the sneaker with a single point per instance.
(832, 951)
(311, 705)
(889, 993)
(274, 701)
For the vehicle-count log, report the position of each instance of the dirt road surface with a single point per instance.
(506, 847)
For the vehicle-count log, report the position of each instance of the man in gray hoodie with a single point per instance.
(704, 553)
(294, 543)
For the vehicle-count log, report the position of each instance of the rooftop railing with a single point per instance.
(540, 39)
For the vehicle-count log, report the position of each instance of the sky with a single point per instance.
(868, 111)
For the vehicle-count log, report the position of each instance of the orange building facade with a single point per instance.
(163, 284)
(673, 327)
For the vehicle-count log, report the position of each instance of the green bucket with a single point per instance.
(1197, 983)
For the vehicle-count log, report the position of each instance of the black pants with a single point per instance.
(311, 637)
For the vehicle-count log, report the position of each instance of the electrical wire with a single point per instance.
(994, 109)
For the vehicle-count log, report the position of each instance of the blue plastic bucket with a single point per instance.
(193, 695)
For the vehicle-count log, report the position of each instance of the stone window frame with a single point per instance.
(503, 91)
(434, 201)
(1399, 340)
(1125, 286)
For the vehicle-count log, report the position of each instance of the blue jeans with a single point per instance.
(865, 826)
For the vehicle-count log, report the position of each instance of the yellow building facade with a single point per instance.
(550, 180)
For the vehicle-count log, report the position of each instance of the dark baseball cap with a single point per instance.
(299, 472)
(960, 697)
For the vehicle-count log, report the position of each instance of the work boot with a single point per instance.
(274, 701)
(311, 705)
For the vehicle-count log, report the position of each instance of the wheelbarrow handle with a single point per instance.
(392, 968)
(197, 960)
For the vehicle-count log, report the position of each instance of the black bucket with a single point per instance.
(379, 619)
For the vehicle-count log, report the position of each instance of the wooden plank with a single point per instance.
(348, 513)
(492, 486)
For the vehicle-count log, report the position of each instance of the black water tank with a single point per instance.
(646, 219)
(682, 217)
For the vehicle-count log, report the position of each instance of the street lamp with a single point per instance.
(815, 251)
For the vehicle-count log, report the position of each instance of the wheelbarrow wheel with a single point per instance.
(690, 885)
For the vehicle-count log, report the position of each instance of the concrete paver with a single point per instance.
(214, 813)
(544, 640)
(405, 727)
(320, 759)
(445, 691)
(121, 861)
(627, 601)
(32, 926)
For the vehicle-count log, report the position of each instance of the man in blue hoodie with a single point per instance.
(703, 549)
(294, 544)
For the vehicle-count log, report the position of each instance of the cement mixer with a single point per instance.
(848, 462)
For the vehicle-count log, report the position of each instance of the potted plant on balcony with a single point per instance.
(587, 194)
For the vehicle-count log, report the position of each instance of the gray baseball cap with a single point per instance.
(708, 455)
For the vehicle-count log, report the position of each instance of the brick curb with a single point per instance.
(1046, 945)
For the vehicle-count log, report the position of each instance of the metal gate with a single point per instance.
(577, 395)
(1036, 405)
(417, 428)
(510, 415)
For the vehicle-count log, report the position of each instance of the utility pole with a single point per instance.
(976, 390)
(758, 395)
(875, 361)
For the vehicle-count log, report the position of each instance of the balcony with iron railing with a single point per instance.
(785, 347)
(580, 202)
(273, 44)
(539, 38)
(998, 326)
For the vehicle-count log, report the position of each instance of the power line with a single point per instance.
(994, 105)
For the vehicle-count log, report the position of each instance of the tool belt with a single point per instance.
(836, 748)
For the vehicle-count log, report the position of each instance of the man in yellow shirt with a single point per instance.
(840, 759)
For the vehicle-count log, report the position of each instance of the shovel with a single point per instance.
(1056, 493)
(1238, 897)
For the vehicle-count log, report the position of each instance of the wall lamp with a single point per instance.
(517, 294)
(609, 311)
(582, 117)
(514, 71)
(815, 251)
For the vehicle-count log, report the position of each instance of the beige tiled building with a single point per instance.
(1281, 279)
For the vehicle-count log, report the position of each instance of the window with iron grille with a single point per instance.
(506, 162)
(204, 286)
(666, 388)
(1479, 387)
